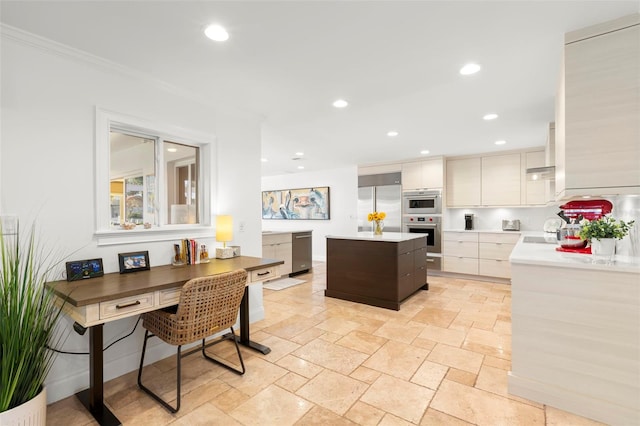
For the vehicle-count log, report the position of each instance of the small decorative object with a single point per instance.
(134, 261)
(177, 259)
(128, 226)
(377, 219)
(147, 225)
(603, 233)
(236, 250)
(204, 254)
(84, 269)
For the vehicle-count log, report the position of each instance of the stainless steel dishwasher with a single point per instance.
(301, 256)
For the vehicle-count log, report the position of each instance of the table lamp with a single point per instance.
(224, 233)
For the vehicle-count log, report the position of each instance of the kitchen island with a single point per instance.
(379, 270)
(576, 332)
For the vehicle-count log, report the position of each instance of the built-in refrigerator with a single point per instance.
(381, 193)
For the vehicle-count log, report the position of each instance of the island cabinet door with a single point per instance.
(420, 267)
(405, 275)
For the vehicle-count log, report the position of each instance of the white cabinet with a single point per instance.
(598, 148)
(478, 253)
(427, 174)
(463, 182)
(278, 246)
(460, 252)
(535, 191)
(501, 180)
(493, 253)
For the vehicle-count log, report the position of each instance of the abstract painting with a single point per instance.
(296, 204)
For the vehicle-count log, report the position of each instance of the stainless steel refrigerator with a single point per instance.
(381, 193)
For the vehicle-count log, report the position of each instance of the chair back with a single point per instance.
(210, 304)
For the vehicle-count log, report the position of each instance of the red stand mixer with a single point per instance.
(572, 213)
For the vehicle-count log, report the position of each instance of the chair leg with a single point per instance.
(230, 367)
(178, 377)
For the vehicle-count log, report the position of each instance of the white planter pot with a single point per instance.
(32, 413)
(603, 249)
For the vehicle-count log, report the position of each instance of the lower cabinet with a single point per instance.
(479, 253)
(278, 246)
(493, 253)
(460, 252)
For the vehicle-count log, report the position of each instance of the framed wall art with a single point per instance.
(296, 204)
(135, 261)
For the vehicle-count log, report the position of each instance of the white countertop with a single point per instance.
(285, 232)
(546, 255)
(493, 231)
(393, 237)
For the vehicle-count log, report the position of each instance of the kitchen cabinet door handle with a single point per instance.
(303, 236)
(126, 305)
(430, 260)
(261, 274)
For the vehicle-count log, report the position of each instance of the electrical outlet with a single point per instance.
(241, 226)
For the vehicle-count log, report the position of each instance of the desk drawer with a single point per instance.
(263, 274)
(170, 296)
(126, 305)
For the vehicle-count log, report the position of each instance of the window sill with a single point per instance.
(166, 233)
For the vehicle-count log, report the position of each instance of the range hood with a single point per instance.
(541, 173)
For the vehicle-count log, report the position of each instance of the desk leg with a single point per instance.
(244, 326)
(93, 398)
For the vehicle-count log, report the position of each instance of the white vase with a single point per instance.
(32, 412)
(603, 250)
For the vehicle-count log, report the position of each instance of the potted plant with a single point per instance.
(603, 233)
(28, 326)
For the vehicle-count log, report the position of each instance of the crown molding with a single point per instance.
(49, 46)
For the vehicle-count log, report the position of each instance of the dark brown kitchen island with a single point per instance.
(379, 270)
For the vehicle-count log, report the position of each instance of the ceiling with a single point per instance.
(396, 62)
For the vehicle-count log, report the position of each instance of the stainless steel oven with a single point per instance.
(422, 202)
(432, 227)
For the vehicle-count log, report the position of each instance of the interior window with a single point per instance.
(137, 180)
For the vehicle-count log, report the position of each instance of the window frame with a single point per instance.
(105, 119)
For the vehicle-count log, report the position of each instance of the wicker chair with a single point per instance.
(207, 306)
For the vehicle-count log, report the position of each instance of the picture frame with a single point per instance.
(133, 261)
(296, 204)
(84, 269)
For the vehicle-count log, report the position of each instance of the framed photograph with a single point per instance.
(296, 204)
(84, 269)
(135, 261)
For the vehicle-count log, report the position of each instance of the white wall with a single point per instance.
(47, 173)
(343, 193)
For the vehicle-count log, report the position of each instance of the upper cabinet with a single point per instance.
(463, 182)
(494, 180)
(598, 110)
(501, 180)
(427, 174)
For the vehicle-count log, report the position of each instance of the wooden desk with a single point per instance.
(94, 302)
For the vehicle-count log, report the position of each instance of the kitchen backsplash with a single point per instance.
(532, 219)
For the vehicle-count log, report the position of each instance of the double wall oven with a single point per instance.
(422, 214)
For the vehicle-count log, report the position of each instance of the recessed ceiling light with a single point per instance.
(340, 103)
(172, 149)
(392, 133)
(264, 160)
(469, 69)
(300, 167)
(216, 33)
(491, 116)
(424, 152)
(299, 154)
(500, 142)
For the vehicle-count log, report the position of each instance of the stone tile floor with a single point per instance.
(441, 360)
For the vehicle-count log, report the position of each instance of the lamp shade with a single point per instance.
(224, 228)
